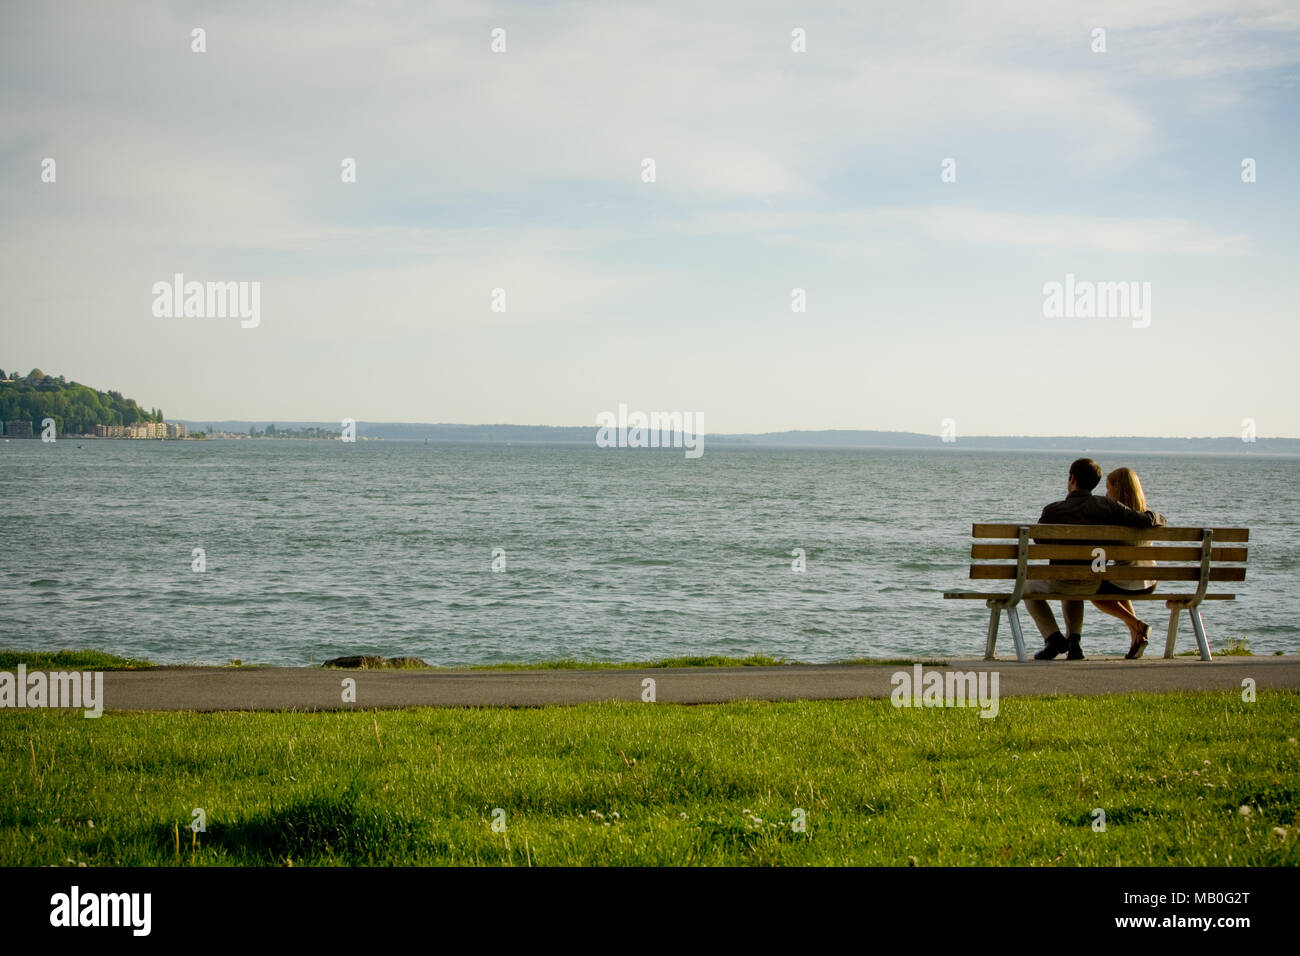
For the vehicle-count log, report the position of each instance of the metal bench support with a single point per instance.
(1194, 613)
(995, 615)
(1193, 607)
(1174, 608)
(1014, 618)
(1008, 604)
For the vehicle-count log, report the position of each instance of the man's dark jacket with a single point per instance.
(1083, 507)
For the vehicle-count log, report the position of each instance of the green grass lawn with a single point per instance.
(70, 660)
(630, 783)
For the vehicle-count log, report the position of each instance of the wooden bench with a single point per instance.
(1181, 554)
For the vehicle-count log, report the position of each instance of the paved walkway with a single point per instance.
(283, 688)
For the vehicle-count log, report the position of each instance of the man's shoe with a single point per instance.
(1054, 645)
(1073, 651)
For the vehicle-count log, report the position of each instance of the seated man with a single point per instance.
(1080, 506)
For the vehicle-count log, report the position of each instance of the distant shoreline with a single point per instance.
(734, 443)
(810, 439)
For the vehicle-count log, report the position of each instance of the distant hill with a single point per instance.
(75, 408)
(827, 438)
(847, 438)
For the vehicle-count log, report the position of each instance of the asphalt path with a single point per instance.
(308, 689)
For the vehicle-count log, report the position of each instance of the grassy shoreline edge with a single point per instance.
(100, 660)
(90, 659)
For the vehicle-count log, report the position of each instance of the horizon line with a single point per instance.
(785, 431)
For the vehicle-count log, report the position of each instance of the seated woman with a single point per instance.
(1123, 486)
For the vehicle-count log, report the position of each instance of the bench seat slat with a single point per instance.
(1092, 532)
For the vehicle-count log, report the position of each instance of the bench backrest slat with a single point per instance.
(1114, 552)
(1092, 532)
(1082, 572)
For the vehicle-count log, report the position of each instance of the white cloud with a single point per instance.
(522, 171)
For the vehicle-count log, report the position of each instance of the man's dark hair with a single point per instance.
(1086, 473)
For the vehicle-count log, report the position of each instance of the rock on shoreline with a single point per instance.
(374, 662)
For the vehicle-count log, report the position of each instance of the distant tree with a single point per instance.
(75, 408)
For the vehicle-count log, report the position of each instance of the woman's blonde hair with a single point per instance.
(1128, 490)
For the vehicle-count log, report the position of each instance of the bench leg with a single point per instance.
(995, 614)
(1173, 630)
(1014, 620)
(1199, 626)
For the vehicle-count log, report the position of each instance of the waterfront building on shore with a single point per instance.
(143, 430)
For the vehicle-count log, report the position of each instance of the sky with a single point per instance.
(775, 169)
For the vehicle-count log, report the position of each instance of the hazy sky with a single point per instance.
(775, 170)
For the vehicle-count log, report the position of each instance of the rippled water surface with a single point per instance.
(316, 549)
